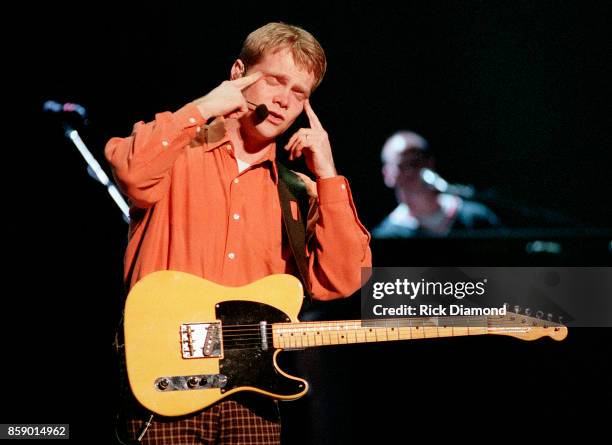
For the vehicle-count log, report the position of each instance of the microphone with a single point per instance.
(435, 181)
(261, 111)
(68, 107)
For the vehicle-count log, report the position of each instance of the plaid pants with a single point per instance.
(245, 419)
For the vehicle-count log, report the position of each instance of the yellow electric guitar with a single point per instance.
(190, 342)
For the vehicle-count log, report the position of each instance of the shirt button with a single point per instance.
(236, 216)
(192, 120)
(165, 143)
(343, 187)
(229, 147)
(236, 181)
(231, 255)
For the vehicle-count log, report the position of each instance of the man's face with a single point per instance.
(283, 88)
(402, 171)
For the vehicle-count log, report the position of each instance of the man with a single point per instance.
(204, 188)
(422, 210)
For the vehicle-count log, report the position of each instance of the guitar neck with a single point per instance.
(312, 334)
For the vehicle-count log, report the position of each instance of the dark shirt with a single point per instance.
(459, 215)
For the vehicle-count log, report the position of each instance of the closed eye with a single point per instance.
(277, 80)
(272, 80)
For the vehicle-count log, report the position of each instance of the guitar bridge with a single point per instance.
(201, 340)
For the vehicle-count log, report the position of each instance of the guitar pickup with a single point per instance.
(201, 340)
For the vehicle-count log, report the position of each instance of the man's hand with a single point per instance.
(227, 99)
(314, 142)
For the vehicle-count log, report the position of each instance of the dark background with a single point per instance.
(512, 97)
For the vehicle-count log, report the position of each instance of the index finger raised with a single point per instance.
(246, 81)
(312, 117)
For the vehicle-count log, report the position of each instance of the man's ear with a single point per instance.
(238, 70)
(388, 177)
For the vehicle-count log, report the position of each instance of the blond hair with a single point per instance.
(307, 52)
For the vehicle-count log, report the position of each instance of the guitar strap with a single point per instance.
(292, 188)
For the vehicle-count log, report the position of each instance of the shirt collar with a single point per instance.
(216, 134)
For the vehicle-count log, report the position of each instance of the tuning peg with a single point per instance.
(549, 316)
(517, 309)
(540, 314)
(527, 311)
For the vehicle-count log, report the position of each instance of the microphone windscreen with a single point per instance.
(262, 112)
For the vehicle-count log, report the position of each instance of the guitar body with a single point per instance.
(190, 342)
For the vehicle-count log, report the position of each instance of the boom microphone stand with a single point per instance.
(93, 167)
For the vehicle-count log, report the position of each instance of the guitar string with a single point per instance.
(256, 332)
(244, 340)
(387, 330)
(239, 337)
(339, 328)
(397, 321)
(298, 342)
(230, 329)
(313, 326)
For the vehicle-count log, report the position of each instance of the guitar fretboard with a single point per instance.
(310, 334)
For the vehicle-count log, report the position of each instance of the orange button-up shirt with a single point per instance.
(193, 211)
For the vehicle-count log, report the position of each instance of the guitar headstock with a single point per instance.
(527, 327)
